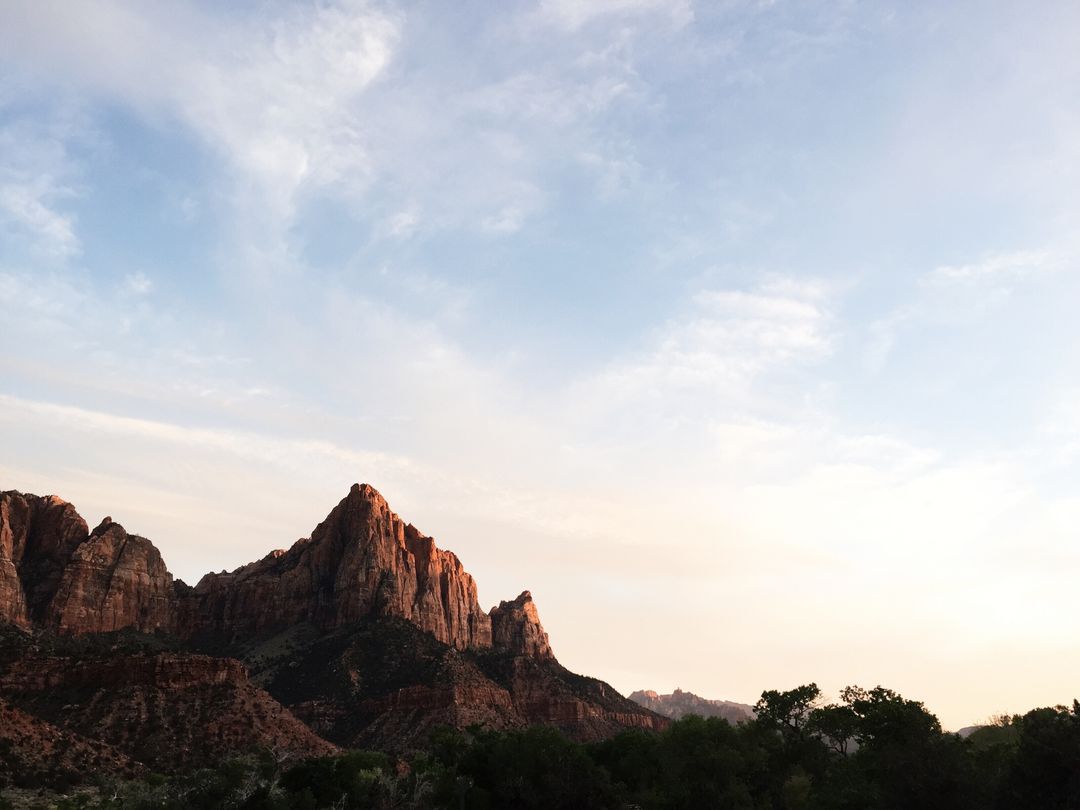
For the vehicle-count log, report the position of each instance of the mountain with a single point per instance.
(363, 634)
(679, 704)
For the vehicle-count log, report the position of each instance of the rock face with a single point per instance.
(516, 628)
(364, 634)
(163, 671)
(37, 538)
(362, 561)
(114, 580)
(679, 704)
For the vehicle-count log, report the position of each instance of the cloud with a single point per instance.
(572, 15)
(1003, 270)
(508, 220)
(275, 97)
(400, 225)
(118, 342)
(956, 295)
(331, 102)
(137, 283)
(36, 177)
(283, 107)
(728, 339)
(24, 204)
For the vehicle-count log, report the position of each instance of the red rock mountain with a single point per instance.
(515, 626)
(365, 634)
(679, 704)
(37, 538)
(362, 561)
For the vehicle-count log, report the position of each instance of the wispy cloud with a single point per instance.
(726, 340)
(998, 270)
(36, 179)
(573, 15)
(137, 284)
(958, 294)
(275, 98)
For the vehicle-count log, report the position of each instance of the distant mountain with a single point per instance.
(679, 704)
(365, 634)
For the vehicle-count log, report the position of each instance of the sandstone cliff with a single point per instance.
(515, 627)
(113, 580)
(37, 538)
(365, 631)
(362, 561)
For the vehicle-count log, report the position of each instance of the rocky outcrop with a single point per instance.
(362, 561)
(366, 630)
(114, 580)
(37, 538)
(679, 704)
(516, 628)
(162, 671)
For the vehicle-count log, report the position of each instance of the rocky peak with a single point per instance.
(361, 561)
(390, 681)
(515, 627)
(114, 580)
(37, 538)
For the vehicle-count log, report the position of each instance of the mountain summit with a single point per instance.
(365, 632)
(362, 561)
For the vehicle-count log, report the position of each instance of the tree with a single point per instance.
(835, 725)
(787, 711)
(886, 718)
(904, 760)
(1045, 768)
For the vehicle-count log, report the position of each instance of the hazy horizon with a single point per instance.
(741, 334)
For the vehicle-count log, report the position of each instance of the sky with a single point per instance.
(743, 334)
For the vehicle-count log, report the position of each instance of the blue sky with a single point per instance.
(744, 329)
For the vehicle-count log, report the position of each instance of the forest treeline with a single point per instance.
(872, 749)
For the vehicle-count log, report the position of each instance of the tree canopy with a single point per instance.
(872, 749)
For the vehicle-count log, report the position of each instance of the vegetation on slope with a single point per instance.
(873, 749)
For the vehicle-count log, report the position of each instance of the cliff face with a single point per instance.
(365, 631)
(362, 561)
(516, 628)
(37, 538)
(113, 580)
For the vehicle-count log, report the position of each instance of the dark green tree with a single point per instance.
(787, 711)
(1044, 770)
